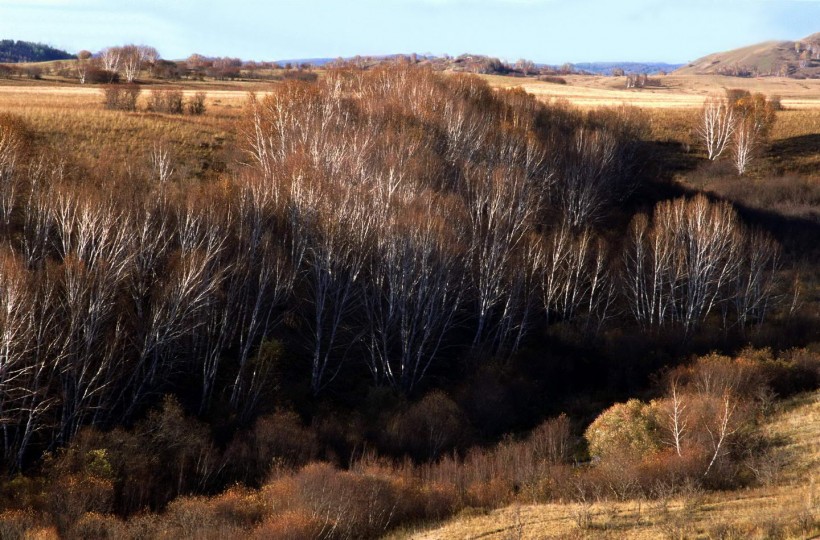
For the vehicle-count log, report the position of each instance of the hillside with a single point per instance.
(12, 51)
(785, 507)
(797, 59)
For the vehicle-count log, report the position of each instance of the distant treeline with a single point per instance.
(12, 51)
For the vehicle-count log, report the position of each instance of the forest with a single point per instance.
(405, 294)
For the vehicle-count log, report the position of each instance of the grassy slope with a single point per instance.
(766, 57)
(784, 507)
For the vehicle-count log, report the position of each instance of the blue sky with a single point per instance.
(549, 31)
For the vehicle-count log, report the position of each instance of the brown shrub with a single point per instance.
(292, 525)
(353, 504)
(196, 104)
(241, 506)
(166, 101)
(552, 440)
(429, 428)
(121, 97)
(16, 524)
(196, 517)
(71, 496)
(278, 438)
(94, 526)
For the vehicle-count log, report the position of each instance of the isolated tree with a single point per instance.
(717, 125)
(755, 116)
(83, 64)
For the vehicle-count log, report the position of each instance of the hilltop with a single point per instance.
(797, 59)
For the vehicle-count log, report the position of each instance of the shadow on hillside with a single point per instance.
(664, 161)
(797, 154)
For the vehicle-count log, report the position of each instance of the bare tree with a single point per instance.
(685, 263)
(110, 59)
(131, 58)
(412, 298)
(501, 206)
(83, 64)
(10, 156)
(717, 125)
(721, 426)
(675, 417)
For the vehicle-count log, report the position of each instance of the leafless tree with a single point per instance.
(691, 259)
(84, 63)
(413, 296)
(717, 125)
(10, 150)
(110, 58)
(500, 206)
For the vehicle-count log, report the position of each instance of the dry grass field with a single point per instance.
(72, 120)
(675, 92)
(784, 509)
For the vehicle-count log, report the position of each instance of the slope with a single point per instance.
(799, 59)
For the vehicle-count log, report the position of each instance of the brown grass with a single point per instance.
(72, 121)
(675, 92)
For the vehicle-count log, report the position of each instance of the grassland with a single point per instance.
(674, 92)
(784, 509)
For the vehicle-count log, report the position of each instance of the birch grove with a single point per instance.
(384, 222)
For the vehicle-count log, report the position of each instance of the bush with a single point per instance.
(196, 104)
(552, 79)
(98, 527)
(101, 76)
(166, 101)
(292, 525)
(552, 440)
(623, 428)
(17, 524)
(429, 428)
(121, 97)
(278, 438)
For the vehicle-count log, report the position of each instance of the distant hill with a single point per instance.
(798, 59)
(638, 68)
(12, 52)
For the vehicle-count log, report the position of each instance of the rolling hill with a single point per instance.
(798, 59)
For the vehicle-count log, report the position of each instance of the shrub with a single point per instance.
(166, 101)
(278, 438)
(292, 525)
(121, 97)
(552, 79)
(625, 427)
(196, 104)
(17, 524)
(432, 426)
(72, 496)
(98, 527)
(101, 76)
(552, 440)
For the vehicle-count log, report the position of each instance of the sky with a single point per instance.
(545, 31)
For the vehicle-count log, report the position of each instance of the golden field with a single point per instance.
(674, 92)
